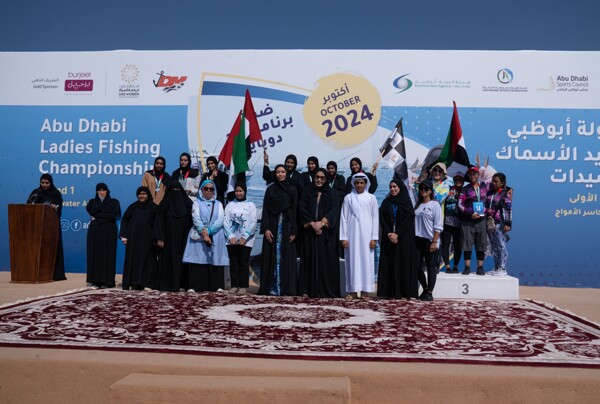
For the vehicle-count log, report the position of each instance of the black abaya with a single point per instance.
(319, 262)
(102, 241)
(398, 269)
(140, 262)
(279, 276)
(172, 226)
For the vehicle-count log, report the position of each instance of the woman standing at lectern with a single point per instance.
(47, 194)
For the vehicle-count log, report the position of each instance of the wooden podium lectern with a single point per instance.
(33, 233)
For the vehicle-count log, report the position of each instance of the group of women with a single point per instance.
(181, 231)
(179, 234)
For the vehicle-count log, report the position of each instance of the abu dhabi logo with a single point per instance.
(402, 83)
(505, 75)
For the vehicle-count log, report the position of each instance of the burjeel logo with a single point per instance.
(169, 83)
(505, 75)
(79, 85)
(79, 82)
(402, 83)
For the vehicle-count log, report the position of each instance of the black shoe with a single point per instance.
(455, 270)
(480, 271)
(426, 297)
(466, 271)
(448, 270)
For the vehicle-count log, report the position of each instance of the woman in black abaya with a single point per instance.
(188, 177)
(278, 270)
(171, 228)
(398, 271)
(308, 177)
(293, 176)
(102, 238)
(48, 194)
(319, 262)
(156, 180)
(136, 233)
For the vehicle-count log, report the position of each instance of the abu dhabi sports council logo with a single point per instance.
(402, 83)
(505, 76)
(566, 83)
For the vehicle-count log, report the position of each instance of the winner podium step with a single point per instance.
(457, 286)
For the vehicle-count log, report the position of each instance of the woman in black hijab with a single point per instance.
(217, 176)
(171, 227)
(335, 180)
(307, 177)
(397, 275)
(102, 238)
(278, 269)
(356, 167)
(293, 176)
(188, 177)
(319, 262)
(156, 180)
(136, 233)
(48, 194)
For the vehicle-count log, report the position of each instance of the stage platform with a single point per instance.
(457, 286)
(34, 375)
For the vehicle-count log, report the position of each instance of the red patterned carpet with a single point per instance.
(449, 331)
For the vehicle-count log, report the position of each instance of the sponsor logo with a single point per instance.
(79, 85)
(48, 83)
(505, 76)
(567, 83)
(169, 83)
(404, 84)
(129, 77)
(79, 82)
(506, 82)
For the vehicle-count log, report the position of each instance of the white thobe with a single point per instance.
(359, 224)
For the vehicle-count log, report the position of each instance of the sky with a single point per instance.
(69, 25)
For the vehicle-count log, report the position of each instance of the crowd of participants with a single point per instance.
(184, 228)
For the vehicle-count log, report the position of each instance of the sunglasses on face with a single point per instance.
(437, 170)
(209, 189)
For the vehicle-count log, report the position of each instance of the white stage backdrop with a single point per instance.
(90, 117)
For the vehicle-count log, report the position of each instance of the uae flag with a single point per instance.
(454, 150)
(236, 152)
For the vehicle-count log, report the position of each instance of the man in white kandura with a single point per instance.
(359, 232)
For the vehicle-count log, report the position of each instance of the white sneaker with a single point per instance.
(241, 291)
(499, 272)
(191, 291)
(233, 290)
